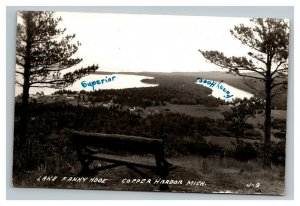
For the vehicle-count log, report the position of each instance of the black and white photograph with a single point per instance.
(141, 102)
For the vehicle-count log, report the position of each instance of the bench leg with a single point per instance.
(85, 163)
(163, 173)
(142, 174)
(163, 166)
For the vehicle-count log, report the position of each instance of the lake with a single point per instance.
(237, 93)
(123, 81)
(223, 91)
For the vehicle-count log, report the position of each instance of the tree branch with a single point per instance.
(259, 58)
(19, 54)
(44, 40)
(279, 76)
(20, 73)
(249, 43)
(277, 84)
(254, 70)
(235, 64)
(48, 82)
(19, 63)
(43, 86)
(254, 77)
(18, 83)
(40, 71)
(280, 63)
(276, 93)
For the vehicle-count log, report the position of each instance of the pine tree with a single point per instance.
(43, 52)
(267, 62)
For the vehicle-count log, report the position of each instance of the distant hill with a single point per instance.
(184, 81)
(233, 80)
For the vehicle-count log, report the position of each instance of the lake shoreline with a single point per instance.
(126, 80)
(222, 90)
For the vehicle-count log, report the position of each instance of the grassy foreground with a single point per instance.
(202, 148)
(197, 174)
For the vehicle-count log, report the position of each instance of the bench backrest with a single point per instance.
(118, 142)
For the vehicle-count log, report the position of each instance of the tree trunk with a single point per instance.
(24, 115)
(239, 132)
(24, 112)
(237, 135)
(242, 128)
(267, 127)
(26, 85)
(237, 139)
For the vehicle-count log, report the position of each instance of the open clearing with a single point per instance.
(211, 112)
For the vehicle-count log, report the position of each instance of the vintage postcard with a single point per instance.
(150, 102)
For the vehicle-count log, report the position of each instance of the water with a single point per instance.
(121, 81)
(217, 90)
(237, 93)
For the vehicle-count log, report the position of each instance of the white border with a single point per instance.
(5, 3)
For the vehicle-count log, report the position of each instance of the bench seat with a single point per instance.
(92, 147)
(123, 160)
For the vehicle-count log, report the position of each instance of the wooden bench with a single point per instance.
(98, 146)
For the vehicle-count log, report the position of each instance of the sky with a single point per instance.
(149, 43)
(153, 43)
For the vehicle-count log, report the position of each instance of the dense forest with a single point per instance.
(154, 96)
(183, 134)
(180, 88)
(51, 124)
